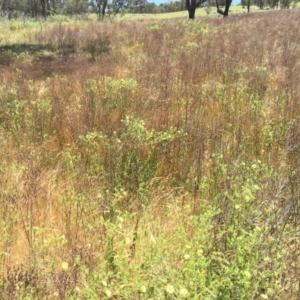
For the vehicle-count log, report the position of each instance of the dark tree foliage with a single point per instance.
(27, 7)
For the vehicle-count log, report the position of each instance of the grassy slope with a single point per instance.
(201, 12)
(150, 161)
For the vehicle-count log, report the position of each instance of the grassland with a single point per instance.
(200, 12)
(150, 159)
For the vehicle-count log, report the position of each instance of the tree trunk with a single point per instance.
(226, 11)
(192, 11)
(103, 9)
(98, 12)
(34, 9)
(191, 6)
(43, 3)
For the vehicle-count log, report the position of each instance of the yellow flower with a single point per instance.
(65, 266)
(143, 289)
(247, 274)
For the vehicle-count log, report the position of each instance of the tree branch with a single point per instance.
(220, 11)
(200, 2)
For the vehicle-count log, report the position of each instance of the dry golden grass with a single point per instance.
(126, 147)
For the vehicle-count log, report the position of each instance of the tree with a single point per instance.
(152, 8)
(246, 3)
(285, 4)
(227, 6)
(137, 6)
(45, 7)
(75, 7)
(10, 7)
(101, 8)
(108, 7)
(192, 5)
(259, 3)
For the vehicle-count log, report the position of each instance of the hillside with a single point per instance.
(150, 159)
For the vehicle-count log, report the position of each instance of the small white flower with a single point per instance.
(104, 283)
(108, 293)
(183, 292)
(187, 256)
(170, 289)
(237, 207)
(200, 252)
